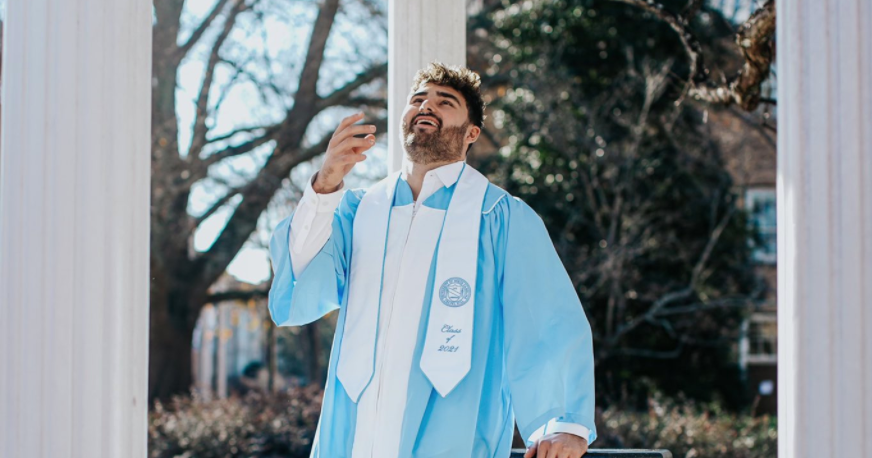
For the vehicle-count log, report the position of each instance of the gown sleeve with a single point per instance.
(548, 341)
(321, 286)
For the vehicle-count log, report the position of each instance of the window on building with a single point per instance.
(760, 204)
(760, 339)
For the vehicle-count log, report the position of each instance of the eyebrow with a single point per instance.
(440, 93)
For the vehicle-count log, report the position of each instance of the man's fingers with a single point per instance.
(555, 451)
(531, 452)
(351, 159)
(584, 447)
(349, 120)
(355, 145)
(358, 158)
(544, 449)
(349, 131)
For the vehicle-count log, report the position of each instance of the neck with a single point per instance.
(416, 172)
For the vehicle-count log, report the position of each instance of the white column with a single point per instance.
(74, 228)
(824, 228)
(222, 331)
(419, 32)
(206, 356)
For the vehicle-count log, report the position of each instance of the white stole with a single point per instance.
(447, 352)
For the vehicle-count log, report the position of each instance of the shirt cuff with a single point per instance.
(322, 202)
(571, 428)
(312, 211)
(555, 426)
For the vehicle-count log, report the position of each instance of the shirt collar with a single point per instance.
(448, 174)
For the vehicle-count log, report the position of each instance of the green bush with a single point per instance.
(283, 425)
(689, 430)
(256, 425)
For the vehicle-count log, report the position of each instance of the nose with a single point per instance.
(425, 103)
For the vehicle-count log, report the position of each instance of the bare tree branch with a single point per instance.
(755, 41)
(198, 139)
(342, 95)
(306, 92)
(216, 206)
(692, 8)
(644, 353)
(710, 246)
(236, 295)
(270, 134)
(369, 102)
(755, 124)
(259, 84)
(198, 32)
(680, 25)
(238, 70)
(682, 293)
(241, 130)
(720, 303)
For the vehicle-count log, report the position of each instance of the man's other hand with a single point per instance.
(558, 445)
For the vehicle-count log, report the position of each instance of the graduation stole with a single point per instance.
(447, 352)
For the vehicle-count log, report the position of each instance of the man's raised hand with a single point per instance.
(344, 151)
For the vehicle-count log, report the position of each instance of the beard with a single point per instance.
(440, 145)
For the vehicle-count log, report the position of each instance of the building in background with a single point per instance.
(233, 343)
(748, 150)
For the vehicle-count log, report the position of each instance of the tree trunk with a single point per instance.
(174, 313)
(169, 359)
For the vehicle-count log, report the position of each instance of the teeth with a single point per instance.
(427, 121)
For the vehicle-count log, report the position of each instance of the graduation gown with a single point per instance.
(532, 356)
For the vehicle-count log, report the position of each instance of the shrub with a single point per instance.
(689, 430)
(283, 425)
(256, 425)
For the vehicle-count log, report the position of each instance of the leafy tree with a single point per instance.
(604, 139)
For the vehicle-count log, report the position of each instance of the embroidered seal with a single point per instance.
(455, 292)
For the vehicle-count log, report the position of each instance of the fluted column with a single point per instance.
(74, 228)
(824, 228)
(419, 31)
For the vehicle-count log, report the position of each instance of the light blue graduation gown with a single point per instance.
(532, 355)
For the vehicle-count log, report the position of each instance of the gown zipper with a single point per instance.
(388, 324)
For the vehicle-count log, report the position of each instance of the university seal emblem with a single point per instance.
(455, 292)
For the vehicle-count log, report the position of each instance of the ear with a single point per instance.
(472, 133)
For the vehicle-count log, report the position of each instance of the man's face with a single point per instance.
(435, 125)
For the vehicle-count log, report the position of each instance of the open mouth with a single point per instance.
(426, 122)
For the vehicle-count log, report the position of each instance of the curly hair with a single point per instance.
(461, 79)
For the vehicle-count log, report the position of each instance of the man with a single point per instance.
(456, 316)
